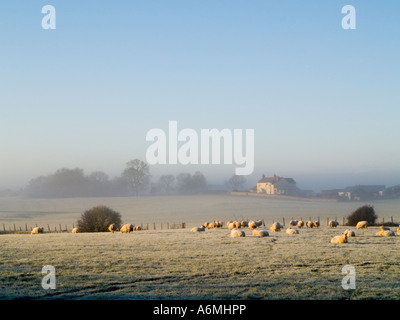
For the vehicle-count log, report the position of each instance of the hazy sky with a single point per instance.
(324, 102)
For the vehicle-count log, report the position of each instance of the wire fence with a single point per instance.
(58, 228)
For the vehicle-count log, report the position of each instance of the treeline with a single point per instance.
(134, 180)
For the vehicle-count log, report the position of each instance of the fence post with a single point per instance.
(26, 227)
(343, 220)
(4, 227)
(283, 221)
(14, 227)
(327, 221)
(183, 225)
(154, 225)
(391, 218)
(48, 227)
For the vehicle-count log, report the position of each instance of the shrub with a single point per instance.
(98, 219)
(364, 213)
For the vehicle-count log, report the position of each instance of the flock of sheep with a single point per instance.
(234, 227)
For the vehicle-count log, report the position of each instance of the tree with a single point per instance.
(364, 213)
(236, 182)
(98, 219)
(137, 175)
(190, 184)
(166, 183)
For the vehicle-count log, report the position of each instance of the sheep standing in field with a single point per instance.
(333, 224)
(198, 229)
(349, 233)
(235, 233)
(275, 227)
(37, 230)
(300, 224)
(75, 230)
(293, 223)
(137, 228)
(339, 239)
(244, 223)
(260, 233)
(234, 225)
(252, 225)
(362, 225)
(291, 231)
(126, 228)
(112, 228)
(316, 224)
(310, 224)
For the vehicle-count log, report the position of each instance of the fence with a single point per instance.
(64, 228)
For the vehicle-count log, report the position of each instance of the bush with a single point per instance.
(98, 219)
(364, 213)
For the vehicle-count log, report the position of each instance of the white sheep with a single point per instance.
(137, 228)
(316, 224)
(300, 224)
(235, 233)
(349, 233)
(293, 223)
(252, 225)
(398, 230)
(362, 225)
(112, 228)
(37, 230)
(275, 227)
(126, 228)
(385, 233)
(75, 230)
(291, 231)
(260, 233)
(310, 224)
(333, 224)
(339, 239)
(198, 229)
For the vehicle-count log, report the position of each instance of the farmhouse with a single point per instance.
(276, 185)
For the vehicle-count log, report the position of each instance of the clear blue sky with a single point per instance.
(323, 101)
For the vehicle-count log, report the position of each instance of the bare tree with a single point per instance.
(166, 182)
(236, 182)
(137, 175)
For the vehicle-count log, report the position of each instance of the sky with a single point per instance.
(323, 101)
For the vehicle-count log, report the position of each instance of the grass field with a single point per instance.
(179, 264)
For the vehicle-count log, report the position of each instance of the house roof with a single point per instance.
(275, 179)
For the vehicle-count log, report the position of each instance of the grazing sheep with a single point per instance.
(112, 228)
(237, 225)
(244, 223)
(252, 225)
(349, 233)
(291, 231)
(206, 224)
(260, 233)
(385, 233)
(126, 228)
(75, 230)
(218, 224)
(333, 224)
(259, 223)
(237, 233)
(362, 225)
(198, 229)
(339, 239)
(37, 230)
(211, 225)
(310, 224)
(137, 228)
(275, 227)
(293, 223)
(316, 224)
(300, 224)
